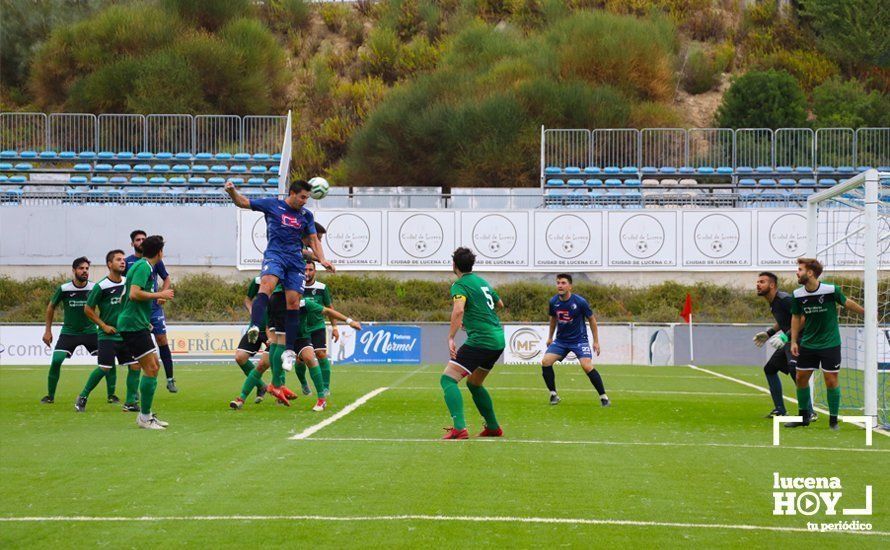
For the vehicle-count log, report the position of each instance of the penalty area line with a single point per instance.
(340, 414)
(766, 391)
(442, 518)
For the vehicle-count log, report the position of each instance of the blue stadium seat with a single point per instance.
(98, 179)
(272, 181)
(197, 180)
(200, 168)
(594, 183)
(574, 182)
(8, 154)
(592, 170)
(668, 170)
(48, 155)
(883, 168)
(223, 156)
(611, 170)
(105, 155)
(183, 156)
(23, 166)
(142, 168)
(649, 170)
(125, 155)
(826, 169)
(119, 180)
(103, 168)
(629, 170)
(219, 168)
(744, 170)
(725, 170)
(747, 182)
(241, 156)
(804, 170)
(157, 180)
(140, 180)
(262, 157)
(204, 156)
(237, 181)
(160, 168)
(144, 155)
(846, 170)
(276, 157)
(5, 166)
(133, 192)
(68, 155)
(4, 178)
(807, 181)
(787, 182)
(181, 168)
(552, 170)
(573, 170)
(767, 182)
(827, 182)
(687, 170)
(863, 168)
(633, 182)
(256, 181)
(705, 170)
(784, 170)
(82, 168)
(555, 183)
(765, 170)
(176, 180)
(86, 155)
(216, 181)
(77, 179)
(18, 179)
(164, 155)
(122, 168)
(613, 182)
(257, 169)
(28, 154)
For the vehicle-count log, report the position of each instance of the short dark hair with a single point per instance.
(464, 259)
(565, 276)
(152, 246)
(137, 232)
(812, 264)
(80, 261)
(319, 229)
(310, 262)
(299, 185)
(771, 275)
(111, 254)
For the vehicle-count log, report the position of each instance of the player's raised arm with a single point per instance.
(854, 307)
(334, 314)
(313, 242)
(237, 198)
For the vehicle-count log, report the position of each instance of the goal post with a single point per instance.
(848, 230)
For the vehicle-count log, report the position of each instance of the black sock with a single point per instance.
(291, 328)
(167, 360)
(832, 420)
(549, 377)
(597, 381)
(805, 414)
(258, 310)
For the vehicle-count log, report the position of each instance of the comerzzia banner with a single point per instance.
(377, 344)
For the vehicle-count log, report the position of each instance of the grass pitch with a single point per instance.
(682, 458)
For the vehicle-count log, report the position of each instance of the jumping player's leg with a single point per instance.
(294, 282)
(270, 275)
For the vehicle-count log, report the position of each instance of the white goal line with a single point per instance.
(434, 518)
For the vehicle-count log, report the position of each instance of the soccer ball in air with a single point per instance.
(319, 188)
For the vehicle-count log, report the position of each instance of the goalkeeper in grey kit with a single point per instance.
(777, 337)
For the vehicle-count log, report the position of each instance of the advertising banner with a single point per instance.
(642, 239)
(717, 239)
(497, 238)
(377, 344)
(568, 240)
(420, 240)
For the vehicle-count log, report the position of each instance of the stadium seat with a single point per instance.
(102, 168)
(4, 178)
(613, 182)
(86, 155)
(552, 170)
(747, 182)
(594, 183)
(219, 168)
(157, 180)
(592, 170)
(787, 182)
(18, 179)
(767, 182)
(826, 169)
(572, 170)
(863, 168)
(765, 170)
(164, 155)
(8, 154)
(236, 181)
(122, 168)
(223, 156)
(105, 155)
(82, 168)
(160, 168)
(23, 166)
(6, 166)
(648, 170)
(784, 170)
(183, 156)
(804, 170)
(257, 169)
(687, 170)
(611, 170)
(273, 181)
(705, 170)
(99, 179)
(28, 155)
(144, 155)
(200, 168)
(724, 170)
(204, 156)
(744, 170)
(574, 182)
(119, 180)
(142, 168)
(67, 155)
(555, 183)
(216, 181)
(827, 182)
(125, 155)
(48, 155)
(241, 157)
(629, 170)
(256, 181)
(181, 168)
(276, 157)
(807, 181)
(846, 170)
(632, 182)
(667, 170)
(77, 179)
(139, 180)
(197, 180)
(261, 157)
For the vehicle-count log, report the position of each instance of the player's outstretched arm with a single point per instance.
(854, 307)
(91, 314)
(334, 314)
(596, 334)
(136, 293)
(48, 333)
(315, 244)
(240, 200)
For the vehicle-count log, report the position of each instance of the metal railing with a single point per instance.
(155, 133)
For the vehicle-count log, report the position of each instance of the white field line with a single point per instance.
(340, 414)
(436, 518)
(352, 406)
(505, 441)
(766, 391)
(590, 390)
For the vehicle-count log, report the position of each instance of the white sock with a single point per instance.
(553, 393)
(604, 396)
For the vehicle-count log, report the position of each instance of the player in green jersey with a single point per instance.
(310, 315)
(247, 349)
(77, 329)
(134, 326)
(318, 292)
(107, 295)
(816, 337)
(474, 303)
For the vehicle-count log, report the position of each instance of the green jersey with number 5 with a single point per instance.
(480, 320)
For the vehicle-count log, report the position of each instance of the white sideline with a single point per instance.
(505, 441)
(766, 391)
(441, 518)
(340, 414)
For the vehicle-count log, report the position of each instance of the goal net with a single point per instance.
(849, 232)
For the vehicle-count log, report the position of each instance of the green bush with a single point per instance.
(208, 15)
(852, 32)
(285, 16)
(847, 104)
(763, 99)
(701, 73)
(808, 67)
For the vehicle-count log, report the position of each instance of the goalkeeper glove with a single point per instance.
(760, 338)
(778, 341)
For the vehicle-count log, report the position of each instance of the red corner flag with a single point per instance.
(686, 314)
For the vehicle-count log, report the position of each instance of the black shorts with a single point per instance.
(70, 342)
(782, 361)
(828, 359)
(139, 343)
(470, 358)
(109, 350)
(277, 311)
(320, 339)
(252, 349)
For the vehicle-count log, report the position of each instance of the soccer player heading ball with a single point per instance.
(289, 226)
(816, 337)
(567, 314)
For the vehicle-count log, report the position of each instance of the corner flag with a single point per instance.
(686, 314)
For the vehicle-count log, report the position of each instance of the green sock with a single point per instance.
(803, 401)
(483, 402)
(317, 380)
(834, 400)
(111, 380)
(300, 369)
(132, 384)
(246, 367)
(325, 365)
(454, 401)
(254, 380)
(147, 392)
(55, 371)
(93, 381)
(275, 361)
